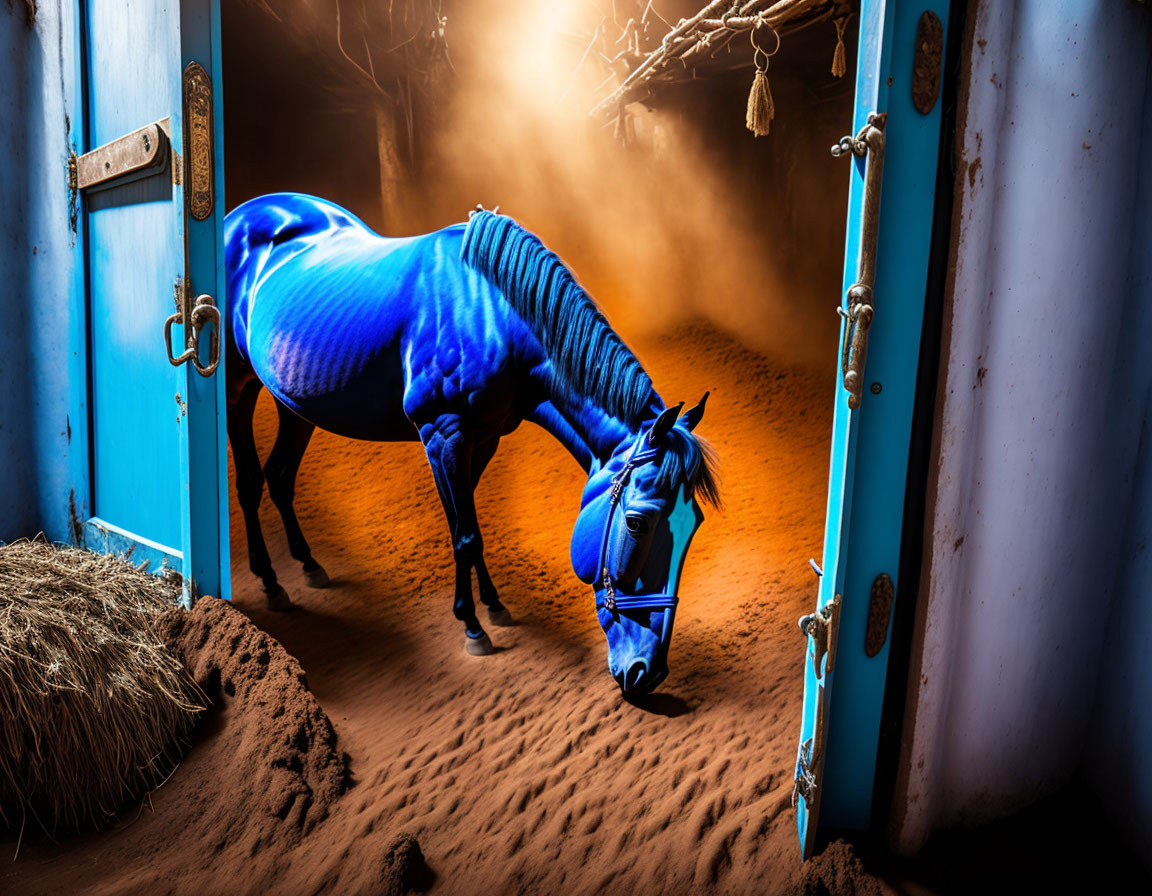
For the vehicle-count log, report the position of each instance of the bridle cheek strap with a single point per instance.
(612, 601)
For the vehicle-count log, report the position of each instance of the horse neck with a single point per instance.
(590, 433)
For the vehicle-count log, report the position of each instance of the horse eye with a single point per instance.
(636, 524)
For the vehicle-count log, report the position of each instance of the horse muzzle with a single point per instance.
(637, 677)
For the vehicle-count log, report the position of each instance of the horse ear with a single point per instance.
(663, 424)
(692, 417)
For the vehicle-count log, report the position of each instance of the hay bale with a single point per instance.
(94, 708)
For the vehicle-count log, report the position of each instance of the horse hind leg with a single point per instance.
(250, 491)
(497, 613)
(280, 472)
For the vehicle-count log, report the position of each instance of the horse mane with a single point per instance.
(690, 460)
(586, 353)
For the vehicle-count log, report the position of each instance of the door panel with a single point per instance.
(156, 431)
(840, 726)
(136, 444)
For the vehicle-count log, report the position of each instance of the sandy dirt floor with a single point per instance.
(371, 755)
(526, 771)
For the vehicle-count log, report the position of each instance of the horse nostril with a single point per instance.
(635, 675)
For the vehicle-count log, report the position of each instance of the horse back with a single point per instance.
(264, 230)
(355, 331)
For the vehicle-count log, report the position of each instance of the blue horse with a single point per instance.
(453, 338)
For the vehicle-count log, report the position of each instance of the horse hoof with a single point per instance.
(316, 578)
(500, 616)
(279, 601)
(481, 646)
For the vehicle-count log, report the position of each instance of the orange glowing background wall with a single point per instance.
(695, 219)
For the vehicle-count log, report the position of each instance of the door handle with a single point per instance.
(869, 144)
(204, 313)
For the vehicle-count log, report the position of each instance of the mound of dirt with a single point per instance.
(838, 871)
(298, 772)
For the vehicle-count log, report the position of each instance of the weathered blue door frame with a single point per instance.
(188, 489)
(870, 445)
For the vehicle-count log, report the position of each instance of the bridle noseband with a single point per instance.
(612, 600)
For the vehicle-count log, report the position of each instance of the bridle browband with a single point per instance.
(613, 601)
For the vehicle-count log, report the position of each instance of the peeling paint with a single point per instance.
(75, 526)
(973, 170)
(29, 12)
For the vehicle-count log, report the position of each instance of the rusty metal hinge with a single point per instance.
(130, 157)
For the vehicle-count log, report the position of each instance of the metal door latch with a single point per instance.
(818, 626)
(868, 143)
(204, 313)
(804, 782)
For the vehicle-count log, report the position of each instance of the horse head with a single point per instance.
(637, 518)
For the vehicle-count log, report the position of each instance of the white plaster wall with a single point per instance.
(1029, 502)
(1118, 754)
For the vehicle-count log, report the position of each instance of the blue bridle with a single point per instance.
(613, 601)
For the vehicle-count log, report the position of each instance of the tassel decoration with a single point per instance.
(839, 64)
(761, 109)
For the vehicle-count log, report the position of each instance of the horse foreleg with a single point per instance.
(280, 472)
(250, 489)
(449, 451)
(497, 613)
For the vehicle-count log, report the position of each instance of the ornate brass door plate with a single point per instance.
(199, 194)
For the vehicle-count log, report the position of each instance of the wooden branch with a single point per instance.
(700, 37)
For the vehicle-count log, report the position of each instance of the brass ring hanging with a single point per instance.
(757, 50)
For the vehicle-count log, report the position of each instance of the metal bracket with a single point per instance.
(858, 314)
(143, 152)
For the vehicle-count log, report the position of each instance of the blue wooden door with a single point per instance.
(886, 262)
(149, 204)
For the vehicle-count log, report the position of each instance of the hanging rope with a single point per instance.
(761, 108)
(839, 65)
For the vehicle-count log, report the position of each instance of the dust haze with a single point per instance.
(691, 218)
